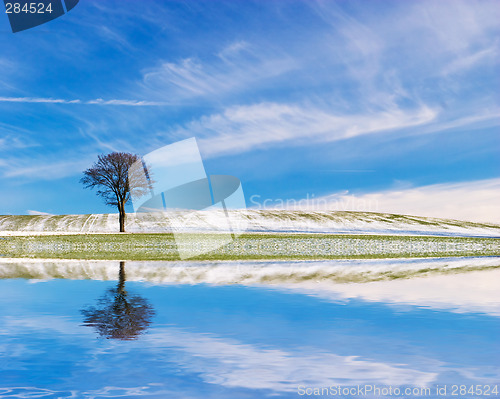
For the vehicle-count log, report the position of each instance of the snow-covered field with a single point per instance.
(251, 221)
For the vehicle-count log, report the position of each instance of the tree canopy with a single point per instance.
(110, 176)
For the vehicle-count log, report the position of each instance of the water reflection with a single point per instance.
(225, 341)
(118, 314)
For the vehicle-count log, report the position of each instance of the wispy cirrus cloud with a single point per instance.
(41, 170)
(99, 101)
(15, 138)
(426, 31)
(319, 74)
(236, 67)
(483, 118)
(368, 86)
(415, 53)
(468, 61)
(245, 128)
(132, 103)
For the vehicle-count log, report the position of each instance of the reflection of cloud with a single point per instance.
(477, 291)
(16, 352)
(234, 364)
(105, 392)
(45, 323)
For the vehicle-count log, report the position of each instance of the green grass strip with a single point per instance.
(144, 246)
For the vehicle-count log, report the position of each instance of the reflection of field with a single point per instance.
(247, 272)
(465, 284)
(247, 246)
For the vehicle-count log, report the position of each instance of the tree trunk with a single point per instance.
(122, 216)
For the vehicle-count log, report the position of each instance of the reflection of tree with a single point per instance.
(118, 314)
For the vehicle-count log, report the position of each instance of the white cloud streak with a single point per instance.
(98, 101)
(472, 59)
(476, 201)
(244, 128)
(41, 171)
(38, 213)
(236, 67)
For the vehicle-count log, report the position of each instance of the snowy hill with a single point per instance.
(252, 221)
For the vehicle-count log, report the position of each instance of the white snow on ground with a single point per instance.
(442, 285)
(252, 221)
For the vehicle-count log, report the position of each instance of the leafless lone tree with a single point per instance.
(110, 175)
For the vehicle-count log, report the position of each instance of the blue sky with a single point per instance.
(392, 100)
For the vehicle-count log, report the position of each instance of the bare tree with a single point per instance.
(110, 175)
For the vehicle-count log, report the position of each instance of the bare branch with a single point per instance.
(110, 176)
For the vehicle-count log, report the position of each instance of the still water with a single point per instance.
(82, 338)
